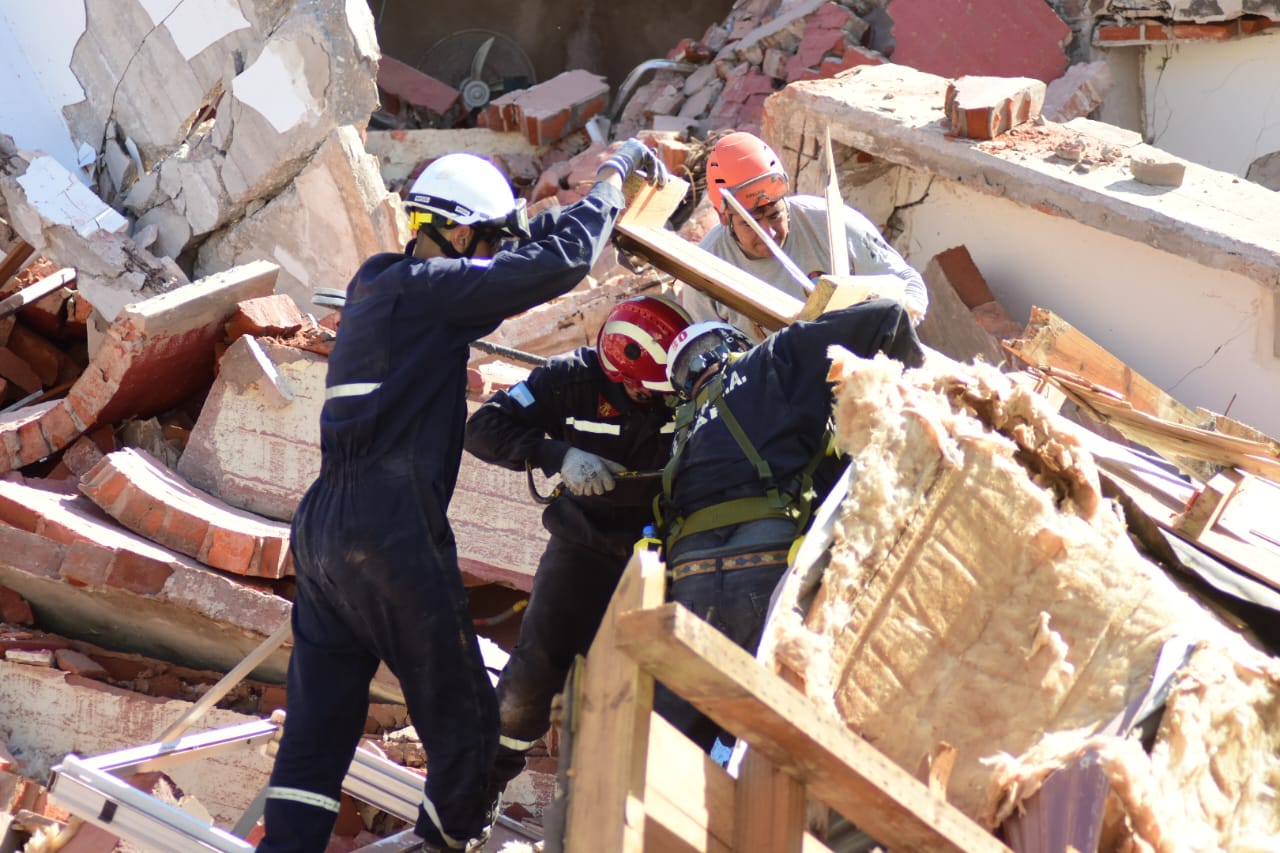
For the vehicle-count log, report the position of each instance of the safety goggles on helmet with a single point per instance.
(426, 210)
(699, 348)
(760, 191)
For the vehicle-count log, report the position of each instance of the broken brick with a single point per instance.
(276, 316)
(985, 107)
(552, 109)
(964, 276)
(149, 499)
(14, 609)
(413, 88)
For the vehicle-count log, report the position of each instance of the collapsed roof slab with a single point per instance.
(90, 579)
(1180, 283)
(50, 713)
(155, 355)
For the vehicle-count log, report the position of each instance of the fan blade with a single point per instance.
(477, 61)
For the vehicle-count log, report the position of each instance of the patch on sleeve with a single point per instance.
(521, 394)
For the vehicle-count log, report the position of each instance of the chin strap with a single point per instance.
(434, 235)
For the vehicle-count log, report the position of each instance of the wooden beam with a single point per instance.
(1172, 439)
(841, 770)
(770, 808)
(14, 303)
(837, 242)
(15, 260)
(689, 799)
(1050, 341)
(608, 770)
(641, 230)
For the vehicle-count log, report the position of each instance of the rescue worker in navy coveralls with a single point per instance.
(588, 415)
(750, 462)
(376, 562)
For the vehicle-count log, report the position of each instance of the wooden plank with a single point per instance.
(15, 260)
(1052, 342)
(1174, 439)
(640, 230)
(689, 799)
(608, 770)
(841, 770)
(1207, 506)
(836, 241)
(38, 290)
(770, 808)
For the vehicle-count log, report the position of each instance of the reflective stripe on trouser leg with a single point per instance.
(516, 745)
(430, 809)
(307, 798)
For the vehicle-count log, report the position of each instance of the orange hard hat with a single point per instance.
(745, 166)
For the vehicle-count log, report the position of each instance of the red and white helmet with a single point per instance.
(633, 341)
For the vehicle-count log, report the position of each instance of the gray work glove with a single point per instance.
(585, 473)
(634, 155)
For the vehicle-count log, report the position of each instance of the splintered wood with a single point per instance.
(982, 593)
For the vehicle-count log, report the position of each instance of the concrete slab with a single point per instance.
(1179, 283)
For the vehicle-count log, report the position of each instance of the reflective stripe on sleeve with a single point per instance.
(307, 798)
(351, 389)
(594, 426)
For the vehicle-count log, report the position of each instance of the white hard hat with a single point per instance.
(463, 189)
(699, 347)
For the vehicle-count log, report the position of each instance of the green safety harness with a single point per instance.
(794, 504)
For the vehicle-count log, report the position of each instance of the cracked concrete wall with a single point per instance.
(192, 116)
(1214, 102)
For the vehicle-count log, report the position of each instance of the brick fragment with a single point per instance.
(276, 316)
(1157, 169)
(985, 107)
(1078, 92)
(550, 110)
(30, 657)
(14, 609)
(412, 88)
(964, 276)
(16, 369)
(78, 663)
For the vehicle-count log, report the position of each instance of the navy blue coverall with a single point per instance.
(375, 557)
(568, 402)
(779, 394)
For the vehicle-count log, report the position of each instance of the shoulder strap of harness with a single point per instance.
(775, 503)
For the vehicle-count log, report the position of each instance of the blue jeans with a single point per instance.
(734, 603)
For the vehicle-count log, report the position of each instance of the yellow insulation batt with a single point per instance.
(981, 592)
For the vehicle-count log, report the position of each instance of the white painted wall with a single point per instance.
(35, 64)
(1203, 335)
(1215, 103)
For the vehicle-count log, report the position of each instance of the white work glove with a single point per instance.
(585, 473)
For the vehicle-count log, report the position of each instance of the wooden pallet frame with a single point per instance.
(636, 784)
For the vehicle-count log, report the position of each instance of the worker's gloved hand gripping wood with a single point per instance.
(634, 156)
(586, 473)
